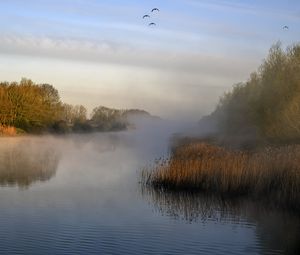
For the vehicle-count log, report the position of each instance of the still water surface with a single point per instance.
(80, 195)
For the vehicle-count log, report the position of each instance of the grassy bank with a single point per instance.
(272, 173)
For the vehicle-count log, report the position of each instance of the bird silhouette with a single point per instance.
(155, 9)
(152, 24)
(146, 16)
(285, 27)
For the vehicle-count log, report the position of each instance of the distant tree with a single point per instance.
(73, 114)
(105, 118)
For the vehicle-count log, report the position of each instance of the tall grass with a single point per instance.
(7, 131)
(269, 172)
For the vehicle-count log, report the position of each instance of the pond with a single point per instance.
(80, 194)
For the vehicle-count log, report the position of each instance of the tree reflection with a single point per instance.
(23, 162)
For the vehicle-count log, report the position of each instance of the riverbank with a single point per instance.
(270, 173)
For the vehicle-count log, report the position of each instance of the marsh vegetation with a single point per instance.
(270, 173)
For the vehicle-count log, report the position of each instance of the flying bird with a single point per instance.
(285, 27)
(152, 24)
(155, 9)
(146, 16)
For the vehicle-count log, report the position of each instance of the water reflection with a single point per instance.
(277, 231)
(24, 161)
(93, 205)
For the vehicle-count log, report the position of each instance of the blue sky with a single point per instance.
(98, 52)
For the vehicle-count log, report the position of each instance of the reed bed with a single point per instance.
(271, 173)
(7, 131)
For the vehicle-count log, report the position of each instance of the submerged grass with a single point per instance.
(268, 173)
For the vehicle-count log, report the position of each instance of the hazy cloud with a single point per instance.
(113, 53)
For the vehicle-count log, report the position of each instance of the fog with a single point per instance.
(77, 172)
(29, 159)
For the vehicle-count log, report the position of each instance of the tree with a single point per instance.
(268, 104)
(29, 106)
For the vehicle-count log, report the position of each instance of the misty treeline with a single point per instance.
(267, 106)
(36, 108)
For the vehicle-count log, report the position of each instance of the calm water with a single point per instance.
(80, 195)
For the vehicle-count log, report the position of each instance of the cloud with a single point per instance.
(121, 54)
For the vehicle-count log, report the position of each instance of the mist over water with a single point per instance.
(81, 193)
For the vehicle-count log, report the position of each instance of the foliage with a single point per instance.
(37, 108)
(104, 118)
(28, 106)
(73, 114)
(267, 106)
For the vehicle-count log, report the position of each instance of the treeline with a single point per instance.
(108, 119)
(37, 108)
(267, 106)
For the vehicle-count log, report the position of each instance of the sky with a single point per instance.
(102, 52)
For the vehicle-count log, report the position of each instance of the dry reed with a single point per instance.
(7, 131)
(268, 172)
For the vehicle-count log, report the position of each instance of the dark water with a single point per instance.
(80, 195)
